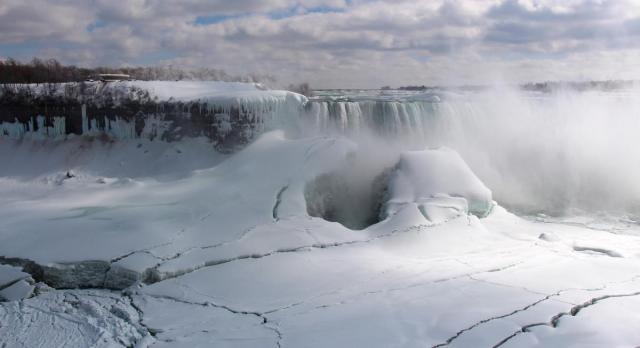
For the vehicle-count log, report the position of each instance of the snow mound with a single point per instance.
(439, 182)
(190, 90)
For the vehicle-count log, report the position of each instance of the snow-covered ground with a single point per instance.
(160, 244)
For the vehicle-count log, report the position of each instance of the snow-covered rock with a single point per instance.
(88, 273)
(14, 283)
(130, 270)
(17, 291)
(439, 182)
(10, 274)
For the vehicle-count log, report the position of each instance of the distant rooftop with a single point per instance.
(112, 77)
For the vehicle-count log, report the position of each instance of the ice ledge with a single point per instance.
(116, 274)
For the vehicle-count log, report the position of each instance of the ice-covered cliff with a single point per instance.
(230, 114)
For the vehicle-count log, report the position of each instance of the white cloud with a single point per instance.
(22, 21)
(333, 43)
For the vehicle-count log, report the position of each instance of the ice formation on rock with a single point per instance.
(230, 114)
(439, 182)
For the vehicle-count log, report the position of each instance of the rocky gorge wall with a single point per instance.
(60, 110)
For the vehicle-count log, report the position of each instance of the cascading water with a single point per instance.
(559, 154)
(387, 118)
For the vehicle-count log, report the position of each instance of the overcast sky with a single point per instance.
(338, 43)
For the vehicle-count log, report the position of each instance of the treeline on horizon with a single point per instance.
(52, 71)
(547, 86)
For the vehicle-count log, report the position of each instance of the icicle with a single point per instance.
(85, 121)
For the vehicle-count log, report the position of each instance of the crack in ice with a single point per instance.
(554, 321)
(278, 202)
(522, 309)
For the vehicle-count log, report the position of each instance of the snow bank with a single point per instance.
(191, 90)
(162, 90)
(440, 182)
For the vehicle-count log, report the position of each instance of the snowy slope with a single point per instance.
(161, 90)
(192, 90)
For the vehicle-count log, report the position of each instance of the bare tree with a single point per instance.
(302, 88)
(51, 71)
